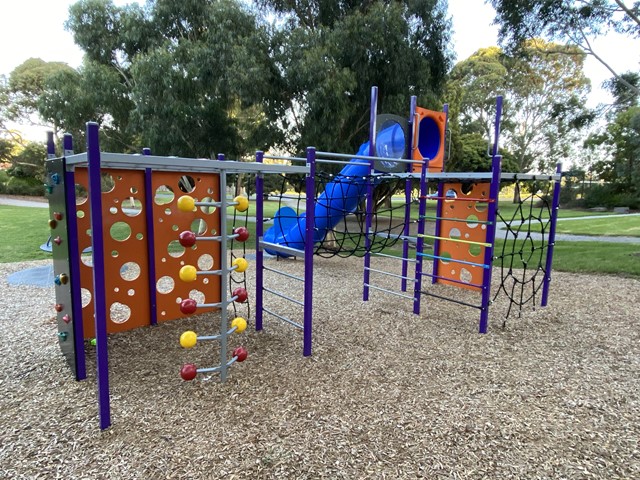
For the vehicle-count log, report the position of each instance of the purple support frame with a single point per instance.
(422, 210)
(369, 201)
(99, 288)
(51, 146)
(308, 251)
(259, 251)
(552, 239)
(496, 167)
(151, 240)
(74, 263)
(407, 199)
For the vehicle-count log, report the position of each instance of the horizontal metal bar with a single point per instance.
(341, 162)
(531, 176)
(300, 279)
(208, 305)
(393, 256)
(390, 274)
(389, 291)
(284, 319)
(459, 302)
(396, 236)
(449, 239)
(208, 370)
(208, 337)
(450, 280)
(282, 295)
(281, 248)
(459, 176)
(471, 222)
(365, 157)
(445, 259)
(282, 157)
(181, 164)
(461, 199)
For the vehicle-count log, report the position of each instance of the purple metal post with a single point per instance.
(496, 167)
(99, 288)
(51, 147)
(259, 252)
(373, 113)
(552, 238)
(407, 199)
(151, 240)
(439, 205)
(308, 251)
(422, 210)
(221, 157)
(74, 262)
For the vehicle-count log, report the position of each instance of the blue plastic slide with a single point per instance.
(340, 198)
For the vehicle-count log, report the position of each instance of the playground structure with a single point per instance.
(156, 257)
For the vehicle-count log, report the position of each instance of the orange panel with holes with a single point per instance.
(170, 256)
(470, 230)
(125, 244)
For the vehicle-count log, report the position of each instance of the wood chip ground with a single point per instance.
(386, 394)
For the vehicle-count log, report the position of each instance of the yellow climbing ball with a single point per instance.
(186, 203)
(188, 339)
(240, 324)
(188, 273)
(240, 263)
(242, 203)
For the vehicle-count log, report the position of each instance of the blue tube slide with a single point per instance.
(340, 198)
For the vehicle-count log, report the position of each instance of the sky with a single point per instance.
(35, 28)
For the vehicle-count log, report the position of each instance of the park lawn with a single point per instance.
(625, 226)
(22, 231)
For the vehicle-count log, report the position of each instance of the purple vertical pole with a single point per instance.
(369, 200)
(99, 288)
(422, 210)
(74, 262)
(496, 167)
(259, 252)
(407, 200)
(439, 206)
(151, 240)
(552, 238)
(51, 147)
(308, 251)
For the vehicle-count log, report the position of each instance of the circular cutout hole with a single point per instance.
(120, 231)
(116, 289)
(139, 236)
(107, 184)
(113, 210)
(197, 295)
(205, 262)
(465, 275)
(207, 209)
(80, 214)
(199, 227)
(446, 257)
(119, 312)
(167, 211)
(175, 249)
(481, 206)
(130, 271)
(133, 190)
(86, 297)
(114, 253)
(475, 250)
(81, 194)
(187, 184)
(164, 194)
(472, 221)
(455, 233)
(165, 284)
(87, 259)
(131, 292)
(131, 207)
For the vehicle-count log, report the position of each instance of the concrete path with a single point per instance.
(23, 202)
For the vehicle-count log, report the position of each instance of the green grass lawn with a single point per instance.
(610, 226)
(25, 229)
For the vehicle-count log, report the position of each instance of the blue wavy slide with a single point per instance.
(340, 198)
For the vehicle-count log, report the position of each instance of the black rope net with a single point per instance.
(522, 257)
(340, 213)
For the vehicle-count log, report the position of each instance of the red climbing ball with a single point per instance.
(241, 353)
(241, 293)
(187, 239)
(188, 306)
(242, 232)
(189, 371)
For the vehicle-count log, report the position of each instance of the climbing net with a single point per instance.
(340, 216)
(522, 258)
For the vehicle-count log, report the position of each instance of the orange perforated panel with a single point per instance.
(428, 139)
(170, 255)
(125, 243)
(469, 230)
